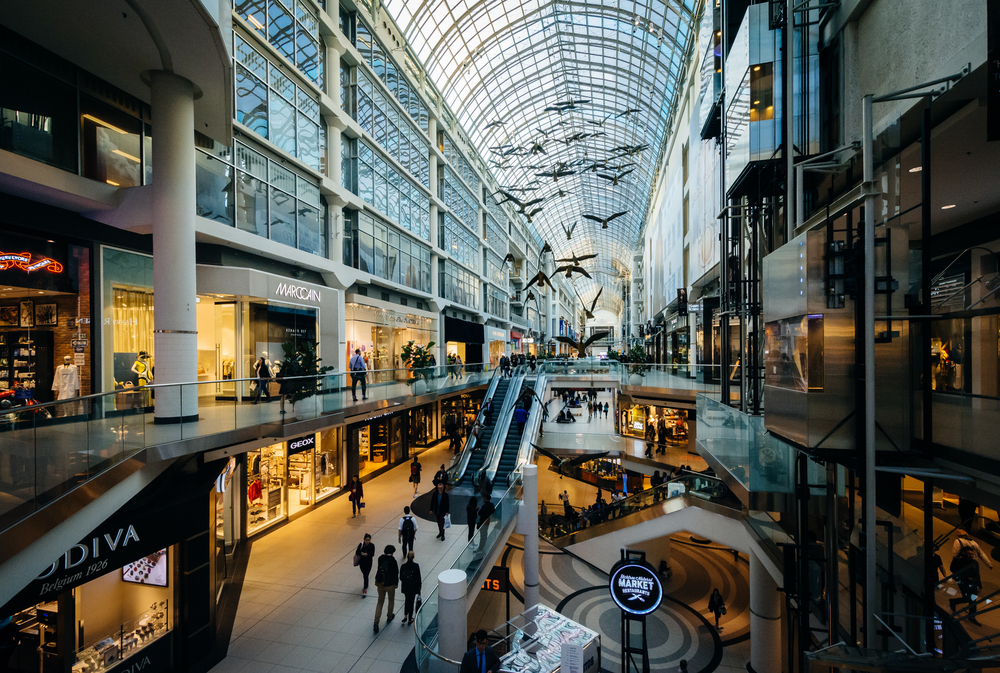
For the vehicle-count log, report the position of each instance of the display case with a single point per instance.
(106, 650)
(26, 361)
(265, 487)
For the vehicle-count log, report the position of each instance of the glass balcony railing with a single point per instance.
(52, 448)
(697, 378)
(471, 561)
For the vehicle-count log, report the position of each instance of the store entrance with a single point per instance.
(218, 348)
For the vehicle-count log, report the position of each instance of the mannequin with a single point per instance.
(141, 369)
(65, 385)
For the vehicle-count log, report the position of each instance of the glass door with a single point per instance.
(225, 349)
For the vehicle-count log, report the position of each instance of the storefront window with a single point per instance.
(328, 478)
(45, 321)
(669, 426)
(423, 427)
(301, 474)
(381, 334)
(265, 487)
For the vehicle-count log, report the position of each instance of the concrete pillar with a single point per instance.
(333, 54)
(765, 619)
(527, 523)
(434, 215)
(175, 325)
(453, 628)
(435, 275)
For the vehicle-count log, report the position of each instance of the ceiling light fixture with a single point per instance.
(126, 155)
(756, 68)
(104, 124)
(948, 207)
(916, 169)
(112, 183)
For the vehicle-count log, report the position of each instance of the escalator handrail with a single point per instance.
(526, 452)
(457, 471)
(502, 425)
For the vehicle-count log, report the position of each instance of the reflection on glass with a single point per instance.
(793, 356)
(111, 145)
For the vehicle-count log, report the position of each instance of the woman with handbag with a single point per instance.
(441, 507)
(363, 559)
(357, 493)
(717, 606)
(409, 584)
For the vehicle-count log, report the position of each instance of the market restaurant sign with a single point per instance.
(635, 587)
(297, 292)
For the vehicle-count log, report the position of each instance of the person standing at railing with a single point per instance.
(359, 373)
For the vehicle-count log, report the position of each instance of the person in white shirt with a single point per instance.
(405, 533)
(359, 372)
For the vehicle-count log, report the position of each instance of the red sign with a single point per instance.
(10, 260)
(516, 335)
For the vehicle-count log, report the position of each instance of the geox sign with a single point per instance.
(296, 292)
(635, 587)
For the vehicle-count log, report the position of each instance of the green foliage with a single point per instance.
(301, 361)
(418, 359)
(637, 360)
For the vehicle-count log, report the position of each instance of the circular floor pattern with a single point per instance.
(674, 632)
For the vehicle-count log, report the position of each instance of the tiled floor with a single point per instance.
(301, 607)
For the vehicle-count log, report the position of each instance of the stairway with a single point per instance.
(479, 455)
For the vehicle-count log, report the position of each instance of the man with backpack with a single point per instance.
(966, 554)
(386, 580)
(407, 530)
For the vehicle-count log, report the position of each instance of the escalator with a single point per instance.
(479, 452)
(511, 448)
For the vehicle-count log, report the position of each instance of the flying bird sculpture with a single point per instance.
(570, 269)
(576, 261)
(604, 221)
(581, 346)
(560, 462)
(540, 279)
(569, 231)
(613, 179)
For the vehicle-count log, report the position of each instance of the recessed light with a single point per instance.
(50, 241)
(916, 169)
(756, 68)
(948, 207)
(756, 102)
(40, 292)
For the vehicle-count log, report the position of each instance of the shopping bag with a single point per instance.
(357, 560)
(361, 505)
(253, 386)
(447, 520)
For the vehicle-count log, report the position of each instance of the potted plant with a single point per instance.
(637, 366)
(300, 360)
(419, 359)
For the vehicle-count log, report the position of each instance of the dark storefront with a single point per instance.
(471, 335)
(377, 444)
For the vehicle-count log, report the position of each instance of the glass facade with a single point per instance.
(494, 269)
(457, 161)
(271, 105)
(458, 285)
(259, 195)
(496, 301)
(291, 28)
(458, 198)
(381, 186)
(381, 251)
(495, 235)
(389, 128)
(375, 55)
(457, 241)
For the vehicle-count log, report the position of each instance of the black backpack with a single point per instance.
(408, 529)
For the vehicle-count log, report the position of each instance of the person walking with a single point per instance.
(440, 506)
(488, 411)
(386, 581)
(285, 388)
(966, 554)
(359, 374)
(471, 510)
(520, 417)
(481, 658)
(683, 667)
(357, 493)
(606, 408)
(407, 531)
(441, 476)
(716, 606)
(366, 554)
(263, 370)
(415, 468)
(409, 584)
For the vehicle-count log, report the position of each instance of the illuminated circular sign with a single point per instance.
(635, 587)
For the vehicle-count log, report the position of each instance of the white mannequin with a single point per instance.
(66, 385)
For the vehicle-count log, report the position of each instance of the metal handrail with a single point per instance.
(526, 451)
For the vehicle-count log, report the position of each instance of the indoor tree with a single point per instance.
(419, 359)
(301, 360)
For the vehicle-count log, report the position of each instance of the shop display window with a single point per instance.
(127, 639)
(328, 478)
(265, 487)
(301, 474)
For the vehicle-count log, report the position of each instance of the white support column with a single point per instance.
(435, 235)
(333, 54)
(765, 619)
(527, 524)
(175, 323)
(453, 627)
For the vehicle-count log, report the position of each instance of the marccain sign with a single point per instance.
(296, 292)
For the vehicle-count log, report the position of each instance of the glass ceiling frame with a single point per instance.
(507, 60)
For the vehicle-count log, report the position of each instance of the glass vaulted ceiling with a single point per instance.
(512, 70)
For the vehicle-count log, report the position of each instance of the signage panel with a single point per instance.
(635, 587)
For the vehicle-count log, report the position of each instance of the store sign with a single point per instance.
(300, 445)
(635, 587)
(383, 316)
(497, 580)
(297, 292)
(22, 260)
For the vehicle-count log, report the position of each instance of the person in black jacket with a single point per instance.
(409, 584)
(366, 550)
(440, 505)
(485, 513)
(471, 511)
(386, 580)
(480, 658)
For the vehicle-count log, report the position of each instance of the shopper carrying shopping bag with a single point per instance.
(363, 557)
(440, 505)
(357, 493)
